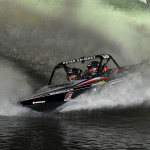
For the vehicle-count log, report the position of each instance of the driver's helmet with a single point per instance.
(93, 67)
(74, 74)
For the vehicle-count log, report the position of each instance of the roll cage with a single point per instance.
(83, 59)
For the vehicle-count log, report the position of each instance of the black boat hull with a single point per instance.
(51, 102)
(46, 106)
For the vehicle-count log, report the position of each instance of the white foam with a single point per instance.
(13, 87)
(133, 92)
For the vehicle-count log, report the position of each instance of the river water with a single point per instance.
(128, 129)
(35, 36)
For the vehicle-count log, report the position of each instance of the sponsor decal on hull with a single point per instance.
(93, 90)
(38, 102)
(68, 96)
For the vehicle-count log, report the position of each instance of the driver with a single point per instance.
(92, 70)
(74, 74)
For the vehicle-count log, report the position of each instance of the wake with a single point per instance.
(13, 87)
(132, 93)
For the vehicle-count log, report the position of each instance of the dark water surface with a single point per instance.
(123, 129)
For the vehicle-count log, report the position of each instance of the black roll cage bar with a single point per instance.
(82, 59)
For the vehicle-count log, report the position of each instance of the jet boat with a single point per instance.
(52, 96)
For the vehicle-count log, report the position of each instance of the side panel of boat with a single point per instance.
(45, 102)
(51, 102)
(46, 106)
